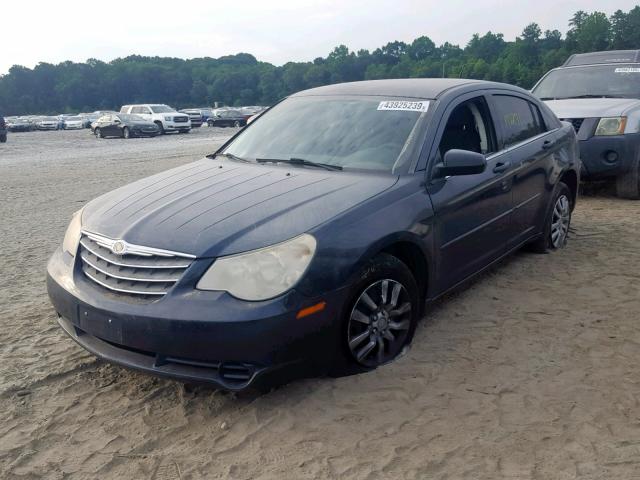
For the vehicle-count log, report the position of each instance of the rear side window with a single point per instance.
(518, 118)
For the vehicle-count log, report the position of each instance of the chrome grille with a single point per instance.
(137, 270)
(180, 119)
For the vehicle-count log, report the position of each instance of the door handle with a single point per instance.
(547, 144)
(502, 167)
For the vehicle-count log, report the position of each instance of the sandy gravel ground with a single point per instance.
(533, 372)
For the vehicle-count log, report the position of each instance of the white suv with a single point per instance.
(167, 119)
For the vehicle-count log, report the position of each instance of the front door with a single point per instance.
(473, 212)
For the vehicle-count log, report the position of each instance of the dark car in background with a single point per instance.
(227, 118)
(3, 129)
(194, 115)
(599, 94)
(313, 240)
(124, 125)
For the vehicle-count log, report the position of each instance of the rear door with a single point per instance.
(523, 135)
(473, 212)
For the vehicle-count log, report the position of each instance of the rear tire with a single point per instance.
(628, 183)
(236, 124)
(3, 138)
(379, 316)
(557, 222)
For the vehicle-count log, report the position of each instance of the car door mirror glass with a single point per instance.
(462, 162)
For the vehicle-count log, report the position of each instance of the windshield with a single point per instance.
(127, 117)
(356, 132)
(161, 109)
(618, 80)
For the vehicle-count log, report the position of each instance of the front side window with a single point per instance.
(469, 128)
(372, 133)
(517, 119)
(594, 81)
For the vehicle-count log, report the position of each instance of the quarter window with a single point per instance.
(519, 119)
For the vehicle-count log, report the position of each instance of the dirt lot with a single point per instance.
(532, 372)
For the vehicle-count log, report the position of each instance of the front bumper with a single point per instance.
(196, 336)
(177, 127)
(594, 150)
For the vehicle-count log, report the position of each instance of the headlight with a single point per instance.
(167, 119)
(611, 126)
(261, 274)
(72, 237)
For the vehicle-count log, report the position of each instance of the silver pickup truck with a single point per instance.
(599, 93)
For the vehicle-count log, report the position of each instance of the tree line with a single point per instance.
(243, 80)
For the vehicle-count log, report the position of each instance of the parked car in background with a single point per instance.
(89, 118)
(164, 116)
(205, 112)
(254, 117)
(194, 115)
(227, 118)
(124, 125)
(48, 123)
(599, 94)
(20, 125)
(72, 123)
(312, 241)
(3, 129)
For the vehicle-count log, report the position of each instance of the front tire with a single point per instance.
(98, 133)
(628, 183)
(3, 138)
(126, 133)
(160, 127)
(557, 222)
(379, 317)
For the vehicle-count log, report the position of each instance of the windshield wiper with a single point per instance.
(231, 156)
(301, 162)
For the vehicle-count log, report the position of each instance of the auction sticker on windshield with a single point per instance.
(627, 70)
(404, 106)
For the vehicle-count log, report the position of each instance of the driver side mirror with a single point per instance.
(462, 162)
(116, 121)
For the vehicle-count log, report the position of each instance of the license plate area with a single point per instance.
(101, 325)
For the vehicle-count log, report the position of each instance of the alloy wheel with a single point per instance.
(379, 323)
(560, 222)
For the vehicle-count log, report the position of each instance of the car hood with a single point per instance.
(211, 208)
(592, 107)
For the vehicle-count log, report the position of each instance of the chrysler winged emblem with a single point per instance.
(119, 247)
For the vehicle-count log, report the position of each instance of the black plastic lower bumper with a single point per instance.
(196, 336)
(608, 156)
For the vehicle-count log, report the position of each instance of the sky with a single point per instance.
(275, 31)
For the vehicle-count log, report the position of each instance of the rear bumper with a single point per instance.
(593, 153)
(196, 336)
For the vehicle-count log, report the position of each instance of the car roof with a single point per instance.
(595, 58)
(428, 88)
